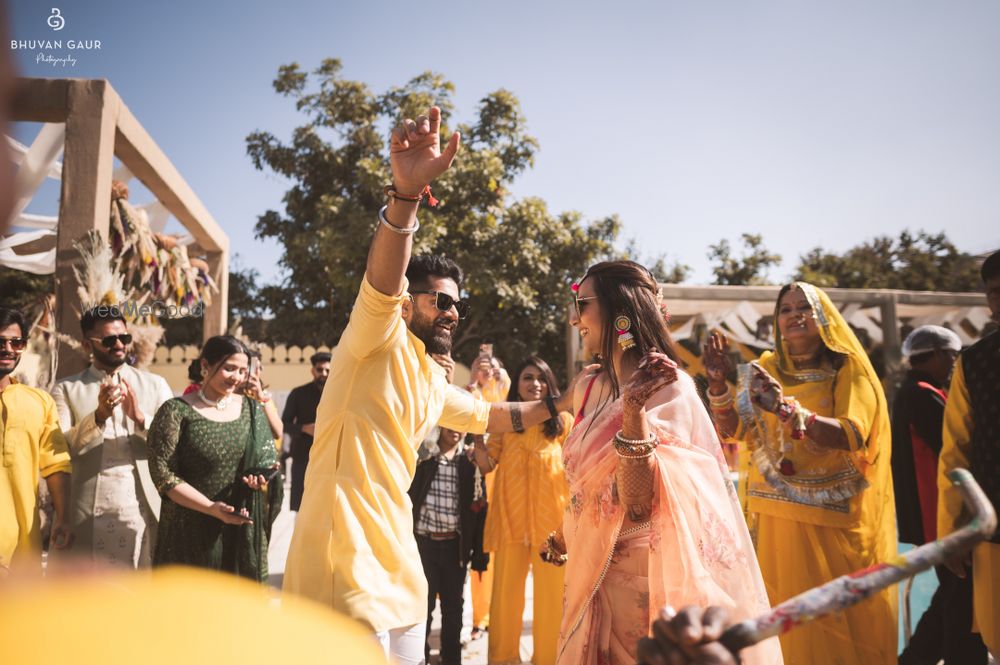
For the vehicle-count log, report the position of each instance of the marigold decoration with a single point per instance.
(623, 325)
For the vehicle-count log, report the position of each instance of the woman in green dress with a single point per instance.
(209, 453)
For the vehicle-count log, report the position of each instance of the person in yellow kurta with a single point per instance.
(813, 417)
(490, 382)
(527, 504)
(353, 547)
(972, 440)
(30, 442)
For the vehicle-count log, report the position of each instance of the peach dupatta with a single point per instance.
(696, 549)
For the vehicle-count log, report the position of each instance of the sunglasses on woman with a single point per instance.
(444, 302)
(581, 303)
(109, 341)
(16, 343)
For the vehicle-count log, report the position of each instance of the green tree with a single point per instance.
(921, 262)
(519, 256)
(23, 290)
(750, 268)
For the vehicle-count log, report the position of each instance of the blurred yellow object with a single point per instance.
(171, 615)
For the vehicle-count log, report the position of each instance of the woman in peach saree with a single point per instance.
(653, 520)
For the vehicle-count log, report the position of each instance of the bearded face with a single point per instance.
(432, 326)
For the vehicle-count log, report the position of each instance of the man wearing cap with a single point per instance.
(972, 440)
(944, 630)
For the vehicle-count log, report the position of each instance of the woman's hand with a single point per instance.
(225, 513)
(415, 152)
(254, 390)
(688, 638)
(257, 482)
(765, 389)
(715, 358)
(654, 371)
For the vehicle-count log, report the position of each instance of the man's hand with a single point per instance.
(415, 152)
(687, 638)
(62, 534)
(309, 429)
(109, 395)
(130, 405)
(445, 361)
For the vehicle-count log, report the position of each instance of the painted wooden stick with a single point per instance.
(851, 589)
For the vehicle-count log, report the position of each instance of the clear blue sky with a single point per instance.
(820, 123)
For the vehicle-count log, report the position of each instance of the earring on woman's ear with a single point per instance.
(623, 325)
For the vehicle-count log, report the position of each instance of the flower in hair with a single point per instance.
(575, 287)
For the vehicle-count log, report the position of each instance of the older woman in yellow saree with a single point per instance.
(813, 417)
(653, 520)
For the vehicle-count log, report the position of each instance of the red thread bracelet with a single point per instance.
(390, 191)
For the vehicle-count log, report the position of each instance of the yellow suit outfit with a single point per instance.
(529, 497)
(818, 513)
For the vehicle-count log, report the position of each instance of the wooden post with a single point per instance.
(217, 313)
(85, 203)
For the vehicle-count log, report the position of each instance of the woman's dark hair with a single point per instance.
(552, 427)
(836, 359)
(220, 348)
(194, 371)
(627, 288)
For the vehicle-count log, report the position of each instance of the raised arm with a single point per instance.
(416, 158)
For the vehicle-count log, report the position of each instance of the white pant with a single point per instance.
(403, 646)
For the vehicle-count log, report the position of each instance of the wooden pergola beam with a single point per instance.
(137, 150)
(100, 127)
(863, 297)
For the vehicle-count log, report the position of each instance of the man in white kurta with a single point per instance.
(104, 411)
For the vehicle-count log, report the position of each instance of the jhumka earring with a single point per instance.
(625, 340)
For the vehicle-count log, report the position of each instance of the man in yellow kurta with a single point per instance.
(30, 442)
(353, 547)
(972, 440)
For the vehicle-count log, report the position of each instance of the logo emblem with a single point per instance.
(56, 21)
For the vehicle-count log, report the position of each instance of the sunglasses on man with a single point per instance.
(16, 343)
(109, 341)
(444, 302)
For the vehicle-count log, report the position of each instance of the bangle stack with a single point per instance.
(721, 403)
(553, 553)
(635, 448)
